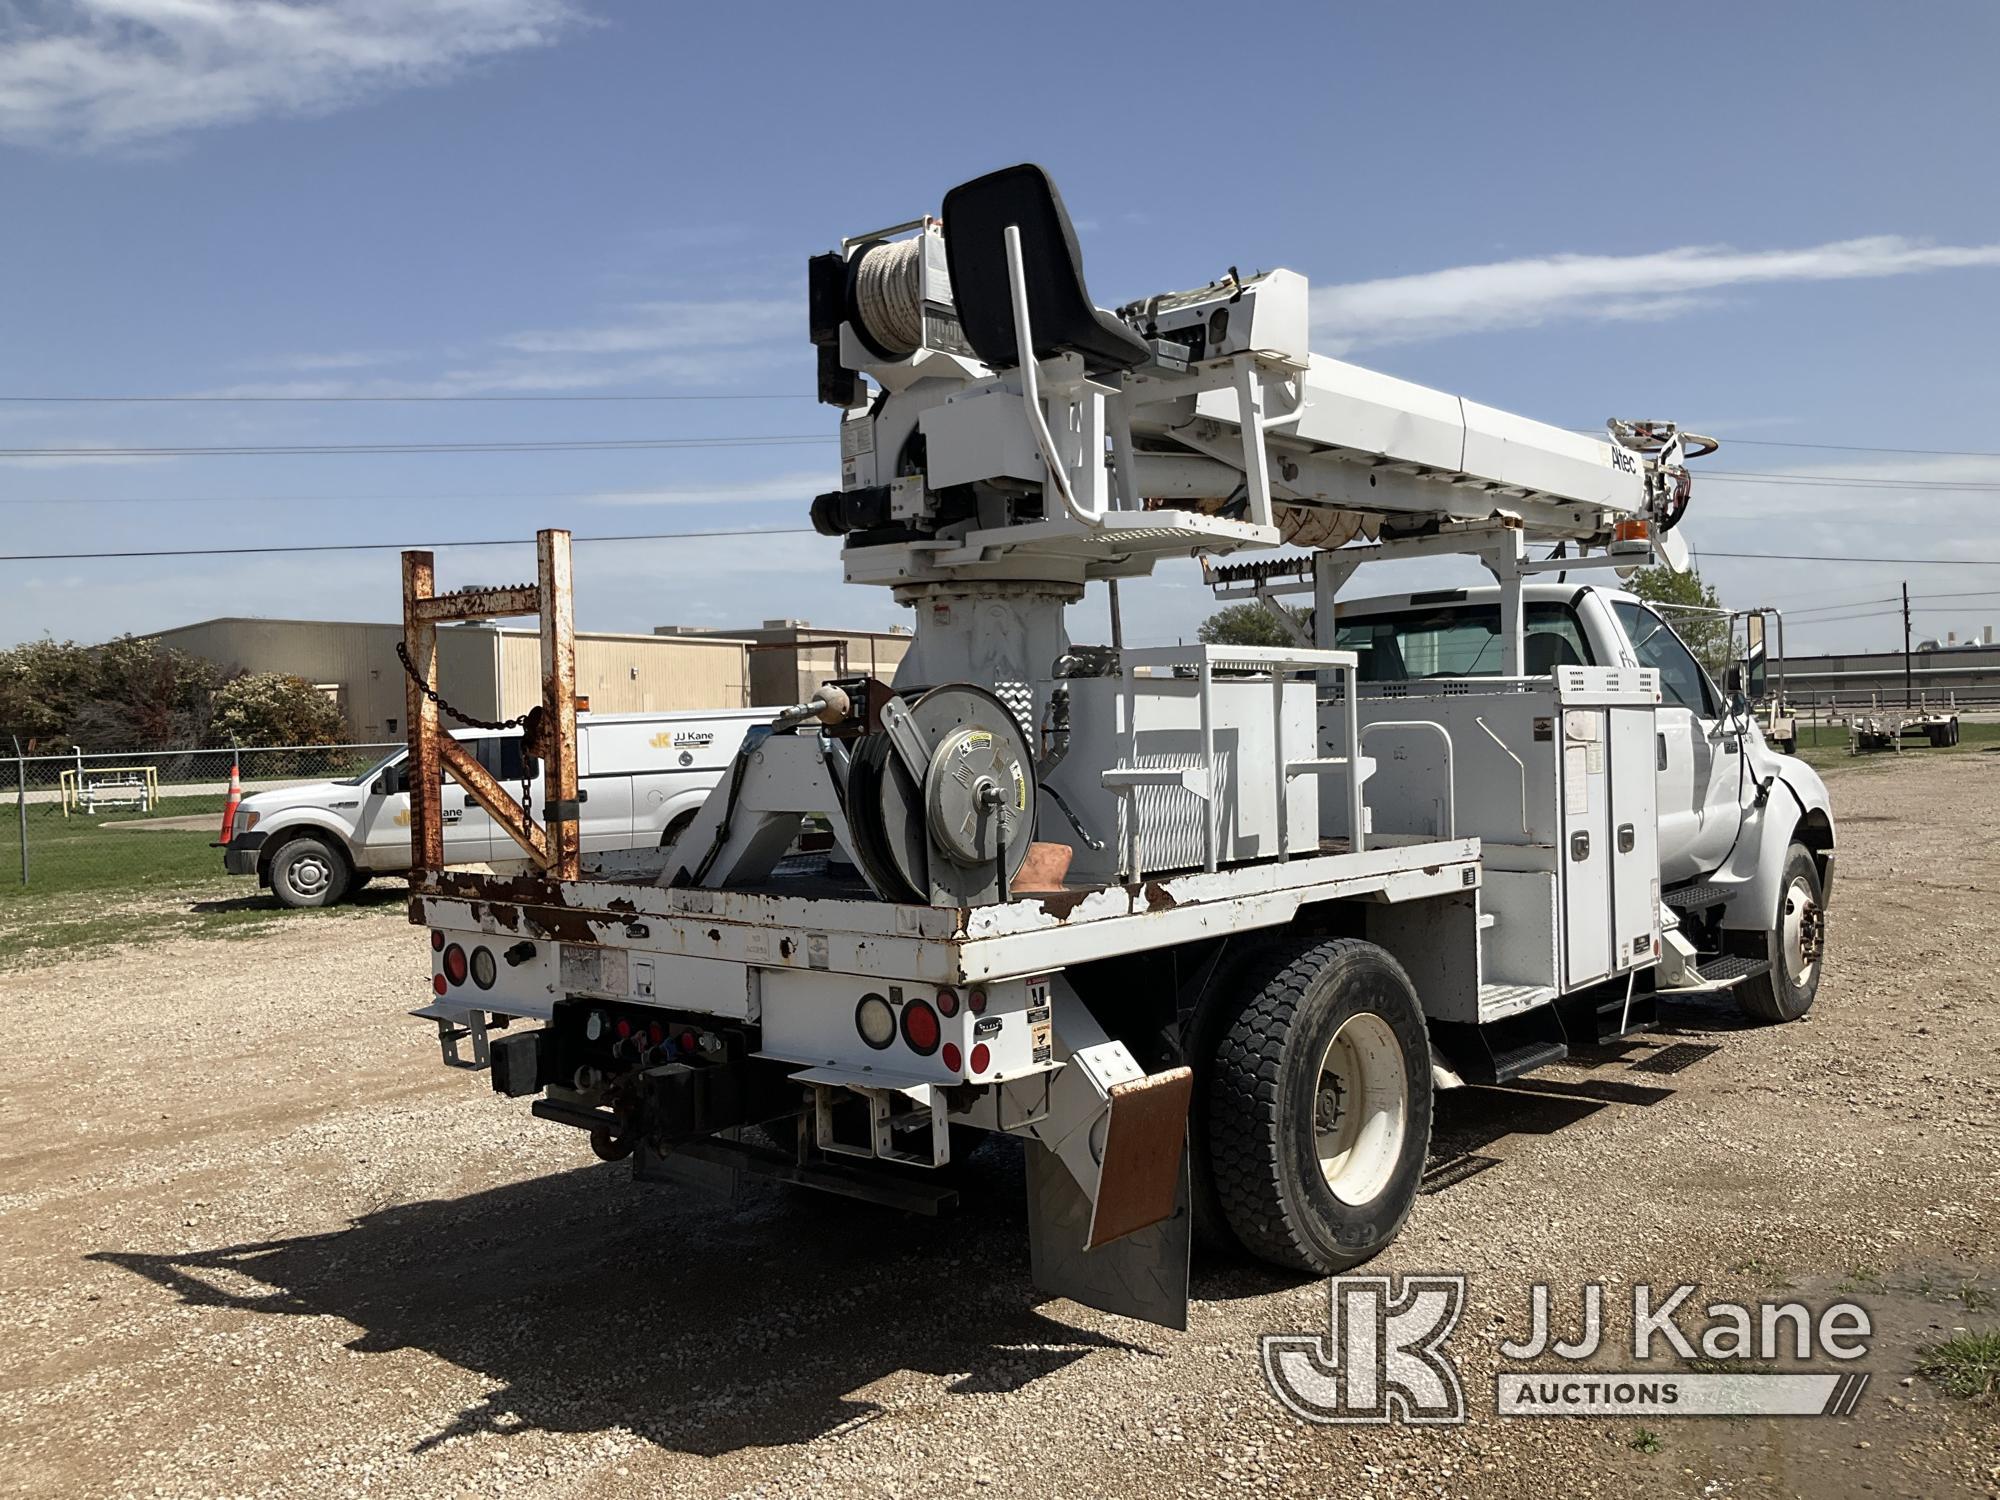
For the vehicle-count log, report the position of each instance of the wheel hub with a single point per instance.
(1804, 930)
(1361, 1108)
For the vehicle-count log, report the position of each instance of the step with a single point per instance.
(1510, 1063)
(1732, 968)
(1695, 897)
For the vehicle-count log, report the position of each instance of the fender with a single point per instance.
(1796, 810)
(291, 820)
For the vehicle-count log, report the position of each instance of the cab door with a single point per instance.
(384, 829)
(1698, 757)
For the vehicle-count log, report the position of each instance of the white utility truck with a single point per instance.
(317, 842)
(1203, 927)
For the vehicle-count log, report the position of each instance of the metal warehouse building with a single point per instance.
(490, 671)
(789, 658)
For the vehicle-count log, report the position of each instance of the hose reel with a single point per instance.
(941, 800)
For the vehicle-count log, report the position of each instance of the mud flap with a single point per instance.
(1143, 1274)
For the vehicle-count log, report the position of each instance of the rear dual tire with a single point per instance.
(1317, 1112)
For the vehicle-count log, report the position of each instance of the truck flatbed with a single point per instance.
(807, 919)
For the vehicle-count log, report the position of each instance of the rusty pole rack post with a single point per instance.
(549, 735)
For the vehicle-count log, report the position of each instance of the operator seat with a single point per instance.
(1545, 651)
(1063, 318)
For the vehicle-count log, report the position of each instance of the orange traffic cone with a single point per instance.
(235, 797)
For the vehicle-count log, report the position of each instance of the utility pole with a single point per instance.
(1906, 643)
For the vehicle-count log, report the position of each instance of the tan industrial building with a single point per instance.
(489, 671)
(789, 658)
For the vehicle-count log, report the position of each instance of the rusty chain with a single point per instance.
(519, 721)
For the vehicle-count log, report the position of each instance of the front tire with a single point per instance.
(1796, 944)
(1319, 1106)
(308, 872)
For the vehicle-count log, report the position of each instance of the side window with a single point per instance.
(1682, 680)
(1551, 638)
(500, 754)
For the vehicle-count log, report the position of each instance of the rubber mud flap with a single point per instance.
(1143, 1276)
(1141, 1170)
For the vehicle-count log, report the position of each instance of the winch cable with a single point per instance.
(887, 296)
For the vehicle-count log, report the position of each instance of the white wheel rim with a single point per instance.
(1361, 1109)
(308, 875)
(1801, 929)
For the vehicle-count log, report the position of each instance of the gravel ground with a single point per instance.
(257, 1242)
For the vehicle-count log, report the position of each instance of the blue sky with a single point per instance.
(1772, 222)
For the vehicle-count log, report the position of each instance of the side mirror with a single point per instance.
(1739, 706)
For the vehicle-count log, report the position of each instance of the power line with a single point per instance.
(1839, 482)
(331, 400)
(566, 445)
(506, 541)
(1858, 448)
(631, 497)
(1914, 562)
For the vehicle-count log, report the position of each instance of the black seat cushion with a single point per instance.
(1063, 318)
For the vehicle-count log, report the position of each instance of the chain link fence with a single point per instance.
(144, 819)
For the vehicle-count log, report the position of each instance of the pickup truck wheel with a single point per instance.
(671, 834)
(1797, 943)
(308, 871)
(1319, 1106)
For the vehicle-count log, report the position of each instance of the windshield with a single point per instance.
(1460, 640)
(373, 771)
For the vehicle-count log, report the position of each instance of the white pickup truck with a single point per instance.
(644, 776)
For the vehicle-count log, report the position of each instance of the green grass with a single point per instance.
(1967, 1366)
(1827, 749)
(93, 884)
(1645, 1440)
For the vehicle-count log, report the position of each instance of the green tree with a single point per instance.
(1681, 599)
(42, 685)
(144, 696)
(274, 708)
(1249, 625)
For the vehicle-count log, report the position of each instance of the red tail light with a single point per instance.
(454, 964)
(976, 1001)
(437, 941)
(437, 984)
(981, 1058)
(947, 1003)
(951, 1058)
(920, 1028)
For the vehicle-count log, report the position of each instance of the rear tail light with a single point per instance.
(976, 1002)
(875, 1021)
(437, 941)
(920, 1028)
(981, 1058)
(454, 964)
(484, 969)
(951, 1058)
(437, 984)
(947, 1003)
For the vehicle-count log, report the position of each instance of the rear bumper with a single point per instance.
(240, 854)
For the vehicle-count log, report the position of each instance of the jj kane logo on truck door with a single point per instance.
(1383, 1357)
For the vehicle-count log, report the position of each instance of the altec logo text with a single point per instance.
(1384, 1357)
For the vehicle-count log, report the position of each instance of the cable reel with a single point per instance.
(941, 800)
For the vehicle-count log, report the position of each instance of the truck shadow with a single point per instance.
(594, 1303)
(377, 895)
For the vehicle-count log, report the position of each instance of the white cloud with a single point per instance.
(95, 74)
(1662, 284)
(800, 486)
(654, 327)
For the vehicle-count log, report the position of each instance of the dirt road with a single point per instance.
(257, 1242)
